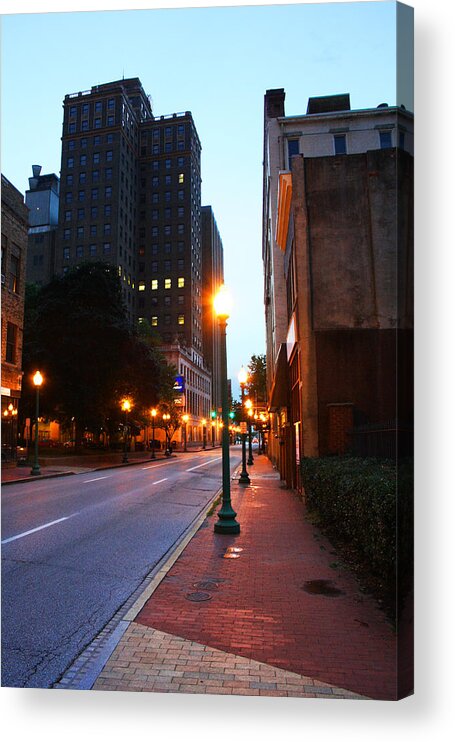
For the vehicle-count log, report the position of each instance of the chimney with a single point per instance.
(274, 103)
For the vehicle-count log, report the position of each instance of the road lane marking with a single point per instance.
(86, 481)
(39, 528)
(160, 480)
(204, 464)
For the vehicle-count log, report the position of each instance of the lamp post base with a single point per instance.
(35, 471)
(244, 479)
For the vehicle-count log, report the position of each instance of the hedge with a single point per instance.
(368, 503)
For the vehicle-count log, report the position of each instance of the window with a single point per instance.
(66, 234)
(167, 283)
(154, 213)
(181, 246)
(83, 160)
(181, 195)
(154, 321)
(155, 198)
(181, 129)
(180, 211)
(111, 103)
(167, 180)
(293, 149)
(107, 229)
(72, 128)
(167, 229)
(180, 299)
(385, 139)
(98, 106)
(80, 232)
(81, 214)
(96, 158)
(92, 250)
(167, 197)
(108, 173)
(180, 161)
(168, 147)
(181, 319)
(82, 177)
(68, 197)
(83, 143)
(81, 195)
(93, 230)
(167, 213)
(401, 139)
(180, 264)
(70, 162)
(154, 249)
(167, 319)
(66, 253)
(155, 181)
(11, 342)
(339, 142)
(181, 282)
(156, 149)
(85, 109)
(109, 138)
(167, 265)
(167, 301)
(71, 144)
(107, 210)
(108, 192)
(14, 273)
(141, 286)
(109, 155)
(181, 228)
(97, 123)
(84, 126)
(167, 164)
(94, 194)
(154, 231)
(79, 251)
(107, 248)
(154, 284)
(68, 215)
(181, 177)
(167, 247)
(181, 145)
(94, 212)
(154, 267)
(96, 140)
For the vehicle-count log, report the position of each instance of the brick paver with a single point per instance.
(258, 608)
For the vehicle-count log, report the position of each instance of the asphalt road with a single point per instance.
(74, 549)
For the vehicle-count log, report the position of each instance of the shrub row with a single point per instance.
(369, 504)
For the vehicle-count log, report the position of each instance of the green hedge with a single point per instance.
(368, 503)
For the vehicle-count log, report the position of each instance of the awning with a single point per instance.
(279, 396)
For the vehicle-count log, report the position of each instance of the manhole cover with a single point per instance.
(322, 587)
(198, 597)
(206, 585)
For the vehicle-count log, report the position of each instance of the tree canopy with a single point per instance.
(257, 381)
(77, 333)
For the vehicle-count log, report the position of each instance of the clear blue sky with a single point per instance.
(217, 63)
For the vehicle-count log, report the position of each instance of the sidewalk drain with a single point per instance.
(322, 587)
(198, 597)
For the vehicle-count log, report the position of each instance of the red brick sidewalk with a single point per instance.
(259, 608)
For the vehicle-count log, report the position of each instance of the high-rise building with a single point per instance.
(213, 277)
(42, 200)
(130, 195)
(14, 256)
(337, 254)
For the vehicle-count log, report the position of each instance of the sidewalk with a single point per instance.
(271, 611)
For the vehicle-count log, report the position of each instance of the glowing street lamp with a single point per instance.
(166, 418)
(37, 380)
(243, 378)
(249, 410)
(226, 515)
(185, 419)
(153, 414)
(126, 407)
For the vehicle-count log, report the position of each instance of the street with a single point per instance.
(75, 548)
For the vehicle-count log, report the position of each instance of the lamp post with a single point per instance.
(166, 418)
(37, 380)
(249, 409)
(126, 406)
(226, 515)
(10, 415)
(213, 433)
(242, 377)
(185, 419)
(204, 433)
(153, 414)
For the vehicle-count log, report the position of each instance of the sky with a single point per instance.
(216, 62)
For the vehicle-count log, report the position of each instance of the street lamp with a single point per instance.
(126, 407)
(185, 419)
(249, 410)
(204, 433)
(37, 380)
(242, 377)
(213, 433)
(153, 414)
(166, 418)
(226, 515)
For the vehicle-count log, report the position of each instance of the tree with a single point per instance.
(77, 333)
(257, 382)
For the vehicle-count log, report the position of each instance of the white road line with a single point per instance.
(204, 464)
(86, 481)
(160, 480)
(40, 528)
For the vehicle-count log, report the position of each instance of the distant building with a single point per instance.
(14, 255)
(130, 195)
(42, 200)
(212, 278)
(337, 252)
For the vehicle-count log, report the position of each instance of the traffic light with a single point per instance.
(213, 414)
(232, 414)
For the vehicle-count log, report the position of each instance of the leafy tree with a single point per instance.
(77, 333)
(257, 382)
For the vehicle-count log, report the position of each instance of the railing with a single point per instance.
(385, 440)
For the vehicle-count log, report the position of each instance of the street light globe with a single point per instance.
(222, 303)
(185, 418)
(242, 375)
(126, 405)
(37, 379)
(153, 412)
(204, 421)
(248, 404)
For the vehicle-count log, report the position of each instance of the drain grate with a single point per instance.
(322, 587)
(198, 597)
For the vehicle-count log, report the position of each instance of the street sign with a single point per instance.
(179, 384)
(243, 428)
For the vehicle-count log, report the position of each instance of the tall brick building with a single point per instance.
(337, 252)
(130, 195)
(14, 256)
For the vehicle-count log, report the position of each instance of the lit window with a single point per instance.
(141, 286)
(181, 282)
(167, 283)
(154, 284)
(181, 319)
(154, 321)
(181, 177)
